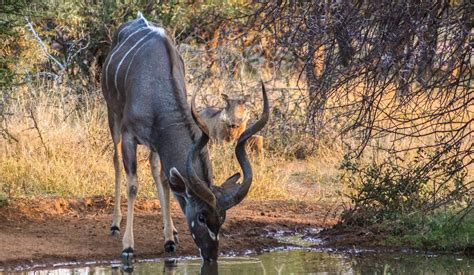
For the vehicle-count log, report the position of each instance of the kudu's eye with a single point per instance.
(201, 218)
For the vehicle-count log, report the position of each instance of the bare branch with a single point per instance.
(42, 44)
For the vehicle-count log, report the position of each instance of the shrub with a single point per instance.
(422, 202)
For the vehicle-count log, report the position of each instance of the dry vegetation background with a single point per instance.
(372, 102)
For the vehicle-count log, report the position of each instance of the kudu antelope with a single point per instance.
(143, 85)
(228, 123)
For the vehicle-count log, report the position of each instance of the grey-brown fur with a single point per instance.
(143, 85)
(228, 123)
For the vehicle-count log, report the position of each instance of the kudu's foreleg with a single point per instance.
(114, 125)
(129, 151)
(163, 189)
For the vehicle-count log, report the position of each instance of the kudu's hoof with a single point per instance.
(170, 246)
(175, 236)
(114, 231)
(127, 255)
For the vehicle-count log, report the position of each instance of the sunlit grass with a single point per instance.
(68, 153)
(267, 182)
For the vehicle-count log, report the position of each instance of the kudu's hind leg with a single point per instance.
(114, 125)
(163, 189)
(129, 151)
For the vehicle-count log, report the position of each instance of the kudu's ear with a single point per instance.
(227, 190)
(231, 182)
(177, 183)
(234, 178)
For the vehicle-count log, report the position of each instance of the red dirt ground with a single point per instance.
(46, 231)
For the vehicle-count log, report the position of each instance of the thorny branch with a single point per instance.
(73, 50)
(380, 69)
(43, 46)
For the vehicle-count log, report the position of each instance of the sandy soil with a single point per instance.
(58, 230)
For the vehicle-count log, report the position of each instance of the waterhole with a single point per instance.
(293, 261)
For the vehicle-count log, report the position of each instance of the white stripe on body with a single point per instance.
(161, 31)
(130, 63)
(126, 54)
(120, 32)
(139, 18)
(115, 51)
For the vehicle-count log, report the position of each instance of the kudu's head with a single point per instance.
(206, 204)
(235, 112)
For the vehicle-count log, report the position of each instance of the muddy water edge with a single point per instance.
(69, 236)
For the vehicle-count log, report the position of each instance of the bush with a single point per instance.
(440, 230)
(422, 202)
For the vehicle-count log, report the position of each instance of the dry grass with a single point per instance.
(63, 148)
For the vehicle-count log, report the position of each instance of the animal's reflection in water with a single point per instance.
(170, 268)
(209, 268)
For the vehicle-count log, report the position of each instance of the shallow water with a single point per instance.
(297, 261)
